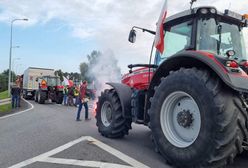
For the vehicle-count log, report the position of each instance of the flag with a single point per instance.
(159, 38)
(65, 81)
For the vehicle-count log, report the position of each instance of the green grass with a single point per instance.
(5, 108)
(4, 95)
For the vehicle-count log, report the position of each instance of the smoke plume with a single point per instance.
(105, 70)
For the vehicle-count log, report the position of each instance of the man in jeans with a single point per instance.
(83, 100)
(15, 92)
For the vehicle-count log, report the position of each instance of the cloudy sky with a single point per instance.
(60, 33)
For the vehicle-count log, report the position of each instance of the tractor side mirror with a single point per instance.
(132, 36)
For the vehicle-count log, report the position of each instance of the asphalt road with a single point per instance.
(51, 126)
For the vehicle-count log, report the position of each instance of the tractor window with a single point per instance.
(52, 81)
(219, 38)
(245, 34)
(177, 38)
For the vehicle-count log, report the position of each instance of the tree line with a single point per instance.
(4, 77)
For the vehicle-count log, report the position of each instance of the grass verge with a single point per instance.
(4, 95)
(5, 108)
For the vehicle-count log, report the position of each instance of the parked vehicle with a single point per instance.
(49, 88)
(30, 85)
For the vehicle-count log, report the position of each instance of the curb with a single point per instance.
(19, 112)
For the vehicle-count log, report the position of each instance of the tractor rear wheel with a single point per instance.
(196, 120)
(110, 121)
(42, 96)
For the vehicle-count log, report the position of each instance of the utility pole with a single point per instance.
(10, 52)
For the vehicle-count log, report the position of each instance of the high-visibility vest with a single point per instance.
(76, 92)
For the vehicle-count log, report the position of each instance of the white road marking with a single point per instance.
(49, 153)
(46, 157)
(118, 154)
(84, 163)
(18, 113)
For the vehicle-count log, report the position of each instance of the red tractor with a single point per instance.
(194, 95)
(50, 88)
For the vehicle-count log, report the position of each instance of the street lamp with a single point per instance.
(13, 63)
(17, 69)
(10, 51)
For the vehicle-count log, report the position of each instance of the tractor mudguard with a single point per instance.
(200, 59)
(124, 93)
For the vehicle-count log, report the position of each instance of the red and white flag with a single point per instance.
(159, 38)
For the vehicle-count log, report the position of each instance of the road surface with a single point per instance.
(49, 137)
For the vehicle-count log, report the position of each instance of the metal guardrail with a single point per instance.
(5, 101)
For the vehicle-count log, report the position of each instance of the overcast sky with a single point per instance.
(60, 33)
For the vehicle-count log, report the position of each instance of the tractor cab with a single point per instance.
(51, 82)
(202, 30)
(205, 29)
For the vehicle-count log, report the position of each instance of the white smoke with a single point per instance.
(105, 70)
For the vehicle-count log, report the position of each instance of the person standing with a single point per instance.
(83, 101)
(65, 92)
(70, 96)
(76, 94)
(15, 93)
(19, 90)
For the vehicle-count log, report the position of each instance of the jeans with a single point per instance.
(80, 108)
(65, 100)
(76, 100)
(70, 100)
(15, 101)
(18, 101)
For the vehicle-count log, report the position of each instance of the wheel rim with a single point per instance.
(180, 119)
(106, 113)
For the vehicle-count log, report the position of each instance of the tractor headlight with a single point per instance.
(204, 11)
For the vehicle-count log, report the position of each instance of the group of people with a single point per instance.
(71, 93)
(79, 94)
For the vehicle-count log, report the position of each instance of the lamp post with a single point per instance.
(13, 64)
(10, 51)
(18, 68)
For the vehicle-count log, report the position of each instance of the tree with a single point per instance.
(93, 57)
(59, 73)
(4, 79)
(83, 70)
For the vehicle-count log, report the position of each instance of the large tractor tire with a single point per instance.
(59, 98)
(196, 120)
(110, 121)
(42, 96)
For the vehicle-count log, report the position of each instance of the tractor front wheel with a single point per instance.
(110, 121)
(196, 120)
